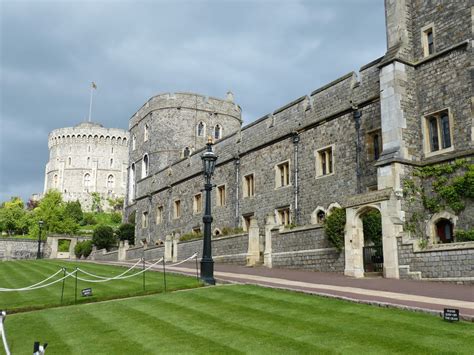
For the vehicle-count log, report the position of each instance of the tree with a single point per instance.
(12, 214)
(334, 226)
(96, 202)
(116, 203)
(73, 209)
(103, 237)
(126, 231)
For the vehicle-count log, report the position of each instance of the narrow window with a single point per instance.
(145, 166)
(159, 215)
(217, 132)
(145, 220)
(283, 174)
(376, 142)
(177, 209)
(445, 131)
(89, 148)
(88, 161)
(444, 231)
(131, 191)
(249, 185)
(221, 195)
(145, 133)
(87, 182)
(112, 150)
(186, 152)
(320, 217)
(55, 180)
(111, 162)
(433, 127)
(69, 161)
(430, 42)
(439, 131)
(323, 163)
(283, 215)
(246, 221)
(197, 203)
(110, 182)
(200, 129)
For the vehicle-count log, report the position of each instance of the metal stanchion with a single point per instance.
(164, 273)
(75, 289)
(3, 315)
(197, 270)
(143, 263)
(62, 288)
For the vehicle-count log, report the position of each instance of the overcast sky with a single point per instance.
(267, 53)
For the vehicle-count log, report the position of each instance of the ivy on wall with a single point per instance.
(372, 226)
(334, 226)
(447, 186)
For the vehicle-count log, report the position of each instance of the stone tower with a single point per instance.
(87, 158)
(171, 126)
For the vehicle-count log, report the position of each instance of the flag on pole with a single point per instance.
(94, 86)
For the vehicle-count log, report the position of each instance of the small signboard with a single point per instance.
(86, 292)
(451, 314)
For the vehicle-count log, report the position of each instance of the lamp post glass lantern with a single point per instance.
(40, 225)
(207, 264)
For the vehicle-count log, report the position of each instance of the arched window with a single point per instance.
(110, 182)
(88, 161)
(69, 161)
(87, 182)
(55, 180)
(200, 129)
(111, 162)
(145, 166)
(186, 152)
(131, 192)
(320, 217)
(146, 133)
(444, 231)
(217, 131)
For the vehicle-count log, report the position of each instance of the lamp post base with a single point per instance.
(207, 271)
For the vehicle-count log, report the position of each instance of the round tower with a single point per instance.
(85, 159)
(169, 127)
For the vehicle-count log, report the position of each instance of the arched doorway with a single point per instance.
(372, 233)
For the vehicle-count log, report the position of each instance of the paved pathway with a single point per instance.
(424, 296)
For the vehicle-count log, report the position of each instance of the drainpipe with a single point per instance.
(357, 115)
(237, 190)
(296, 139)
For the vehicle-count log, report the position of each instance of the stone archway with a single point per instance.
(388, 205)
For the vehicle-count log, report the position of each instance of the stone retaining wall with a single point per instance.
(305, 248)
(107, 256)
(442, 262)
(134, 253)
(13, 248)
(155, 253)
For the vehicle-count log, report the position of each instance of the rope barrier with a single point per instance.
(42, 286)
(103, 277)
(3, 315)
(123, 277)
(181, 262)
(34, 285)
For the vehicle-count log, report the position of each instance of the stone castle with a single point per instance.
(85, 159)
(350, 144)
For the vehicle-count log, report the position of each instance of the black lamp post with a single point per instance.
(207, 264)
(40, 224)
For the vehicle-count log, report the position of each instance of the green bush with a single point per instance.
(334, 226)
(230, 231)
(83, 248)
(372, 226)
(88, 219)
(190, 236)
(116, 217)
(464, 236)
(126, 231)
(73, 210)
(103, 237)
(63, 245)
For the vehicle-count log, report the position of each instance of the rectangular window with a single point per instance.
(177, 209)
(246, 221)
(438, 128)
(374, 145)
(249, 185)
(159, 215)
(283, 216)
(145, 220)
(324, 162)
(197, 203)
(427, 40)
(282, 174)
(221, 195)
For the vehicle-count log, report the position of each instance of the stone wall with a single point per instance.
(305, 248)
(11, 248)
(134, 253)
(155, 253)
(443, 262)
(103, 255)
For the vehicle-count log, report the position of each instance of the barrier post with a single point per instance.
(164, 273)
(197, 271)
(75, 289)
(143, 263)
(62, 288)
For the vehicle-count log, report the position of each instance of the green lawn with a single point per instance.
(15, 274)
(235, 319)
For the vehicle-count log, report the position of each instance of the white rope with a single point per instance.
(181, 262)
(123, 277)
(68, 274)
(3, 315)
(31, 286)
(108, 278)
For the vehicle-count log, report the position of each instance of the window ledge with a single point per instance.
(323, 176)
(282, 187)
(439, 152)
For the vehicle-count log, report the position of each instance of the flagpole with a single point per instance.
(90, 103)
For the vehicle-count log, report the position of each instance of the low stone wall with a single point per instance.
(188, 248)
(134, 253)
(305, 248)
(14, 248)
(231, 250)
(106, 256)
(155, 253)
(442, 262)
